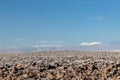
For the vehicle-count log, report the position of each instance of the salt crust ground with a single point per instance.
(60, 65)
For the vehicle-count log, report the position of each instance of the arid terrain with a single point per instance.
(60, 65)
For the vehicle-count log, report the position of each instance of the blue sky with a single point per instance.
(66, 22)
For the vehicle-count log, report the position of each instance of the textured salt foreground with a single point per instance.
(60, 65)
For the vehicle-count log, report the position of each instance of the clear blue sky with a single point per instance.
(26, 22)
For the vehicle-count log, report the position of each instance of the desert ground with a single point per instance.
(60, 65)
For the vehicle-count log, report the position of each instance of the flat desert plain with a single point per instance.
(60, 65)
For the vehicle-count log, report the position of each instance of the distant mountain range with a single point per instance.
(109, 47)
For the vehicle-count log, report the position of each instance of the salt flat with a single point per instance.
(60, 65)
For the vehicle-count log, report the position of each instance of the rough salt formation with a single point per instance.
(60, 65)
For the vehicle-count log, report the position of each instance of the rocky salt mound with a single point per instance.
(60, 65)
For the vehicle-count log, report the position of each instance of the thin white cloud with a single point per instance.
(36, 46)
(90, 43)
(50, 45)
(43, 42)
(57, 42)
(46, 42)
(98, 17)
